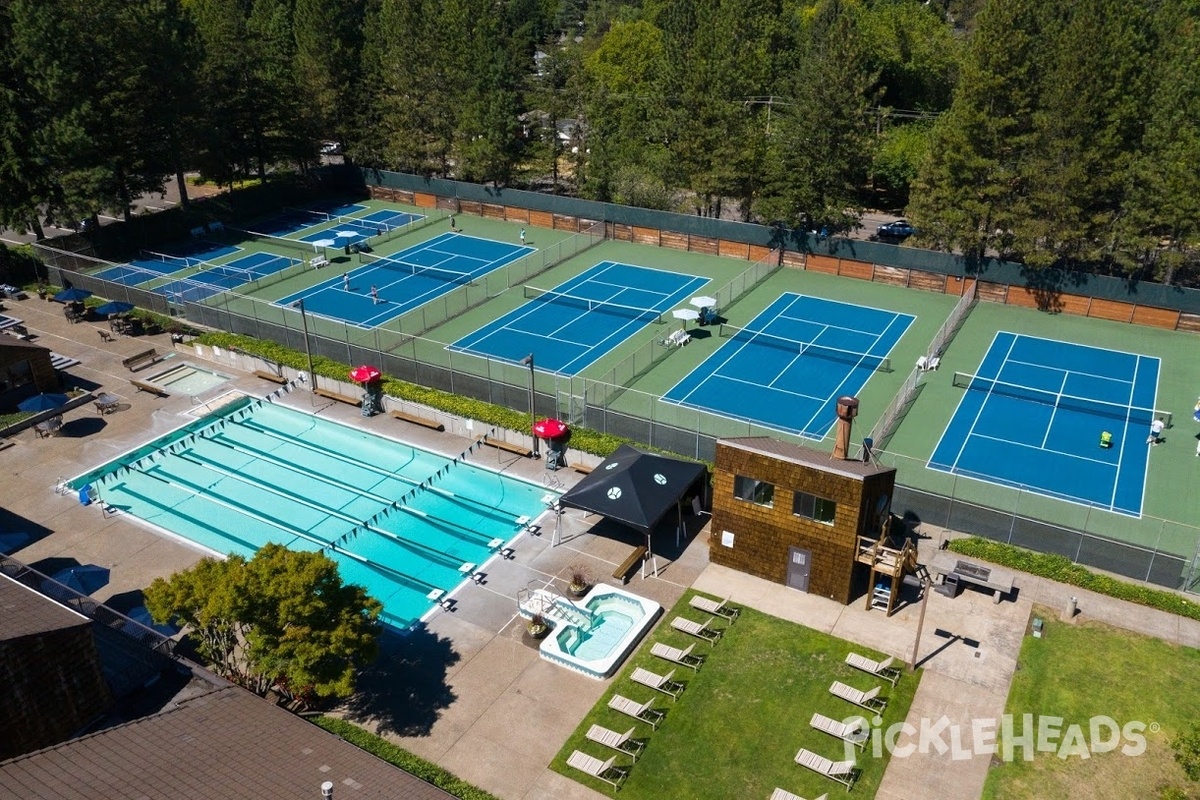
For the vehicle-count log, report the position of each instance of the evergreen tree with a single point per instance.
(328, 63)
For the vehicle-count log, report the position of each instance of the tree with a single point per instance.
(281, 620)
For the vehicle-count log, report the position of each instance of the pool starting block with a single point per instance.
(494, 543)
(523, 521)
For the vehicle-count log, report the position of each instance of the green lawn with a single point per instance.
(1085, 670)
(743, 715)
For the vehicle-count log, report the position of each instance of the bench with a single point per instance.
(142, 386)
(638, 554)
(955, 570)
(582, 469)
(318, 262)
(415, 420)
(517, 449)
(270, 376)
(341, 398)
(142, 359)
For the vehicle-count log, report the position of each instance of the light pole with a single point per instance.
(529, 360)
(307, 348)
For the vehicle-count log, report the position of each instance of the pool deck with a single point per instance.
(467, 690)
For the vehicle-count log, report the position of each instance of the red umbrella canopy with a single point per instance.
(549, 428)
(364, 373)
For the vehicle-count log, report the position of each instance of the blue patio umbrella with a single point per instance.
(85, 578)
(12, 542)
(114, 307)
(141, 615)
(43, 402)
(72, 295)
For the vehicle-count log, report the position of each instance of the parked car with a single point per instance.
(331, 148)
(900, 229)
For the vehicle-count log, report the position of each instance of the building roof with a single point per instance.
(798, 454)
(24, 612)
(13, 343)
(224, 743)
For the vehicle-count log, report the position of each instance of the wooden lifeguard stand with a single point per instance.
(888, 567)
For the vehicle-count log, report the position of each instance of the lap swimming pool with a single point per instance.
(407, 524)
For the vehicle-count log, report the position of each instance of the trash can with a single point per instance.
(949, 586)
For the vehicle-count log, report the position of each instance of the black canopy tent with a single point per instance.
(638, 488)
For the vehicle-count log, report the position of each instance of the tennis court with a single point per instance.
(787, 367)
(405, 280)
(572, 325)
(217, 278)
(1034, 413)
(293, 220)
(357, 229)
(152, 266)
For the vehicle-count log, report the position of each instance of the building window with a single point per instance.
(759, 492)
(813, 507)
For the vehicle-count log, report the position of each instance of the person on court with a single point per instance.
(522, 236)
(1156, 429)
(374, 295)
(346, 281)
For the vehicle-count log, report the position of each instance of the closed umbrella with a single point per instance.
(43, 402)
(114, 307)
(72, 295)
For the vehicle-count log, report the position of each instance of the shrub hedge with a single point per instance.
(430, 773)
(1063, 570)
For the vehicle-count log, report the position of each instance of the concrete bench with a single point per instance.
(955, 570)
(142, 386)
(142, 359)
(270, 376)
(341, 398)
(415, 420)
(636, 557)
(516, 449)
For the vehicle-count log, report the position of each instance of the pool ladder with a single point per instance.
(551, 609)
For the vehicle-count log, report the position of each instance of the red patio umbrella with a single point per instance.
(364, 374)
(549, 428)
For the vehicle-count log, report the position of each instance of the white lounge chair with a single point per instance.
(784, 794)
(871, 700)
(601, 770)
(881, 669)
(621, 742)
(683, 657)
(661, 683)
(714, 607)
(639, 711)
(854, 732)
(841, 771)
(700, 631)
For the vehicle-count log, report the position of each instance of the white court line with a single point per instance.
(982, 405)
(1041, 448)
(1054, 409)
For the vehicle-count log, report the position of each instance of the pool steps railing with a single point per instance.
(553, 605)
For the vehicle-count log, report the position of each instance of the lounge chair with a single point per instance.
(661, 683)
(854, 732)
(880, 669)
(717, 609)
(683, 657)
(871, 700)
(841, 771)
(621, 742)
(639, 711)
(700, 631)
(598, 769)
(784, 794)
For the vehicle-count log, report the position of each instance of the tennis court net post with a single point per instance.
(877, 363)
(587, 304)
(1047, 397)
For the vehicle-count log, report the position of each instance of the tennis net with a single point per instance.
(1046, 397)
(404, 268)
(747, 336)
(294, 245)
(178, 262)
(323, 215)
(586, 304)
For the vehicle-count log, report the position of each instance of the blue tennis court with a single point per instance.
(405, 280)
(219, 278)
(571, 326)
(787, 367)
(375, 224)
(298, 219)
(1034, 413)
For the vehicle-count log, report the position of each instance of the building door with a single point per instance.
(798, 564)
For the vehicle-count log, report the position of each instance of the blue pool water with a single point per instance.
(398, 520)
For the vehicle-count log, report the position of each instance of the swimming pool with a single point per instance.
(187, 379)
(407, 524)
(596, 635)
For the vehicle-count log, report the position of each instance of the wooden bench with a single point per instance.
(638, 555)
(341, 398)
(142, 359)
(270, 376)
(415, 420)
(142, 386)
(582, 469)
(517, 449)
